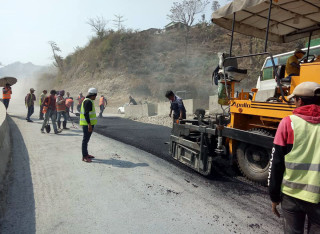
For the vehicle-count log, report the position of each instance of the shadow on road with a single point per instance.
(119, 163)
(19, 211)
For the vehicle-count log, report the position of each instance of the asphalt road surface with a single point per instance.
(124, 190)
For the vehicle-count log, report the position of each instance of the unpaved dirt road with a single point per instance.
(125, 190)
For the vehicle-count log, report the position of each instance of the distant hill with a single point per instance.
(20, 70)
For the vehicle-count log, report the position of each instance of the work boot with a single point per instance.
(59, 124)
(64, 123)
(58, 131)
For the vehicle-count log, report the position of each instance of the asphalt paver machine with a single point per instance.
(244, 131)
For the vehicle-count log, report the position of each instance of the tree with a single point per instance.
(118, 22)
(58, 60)
(185, 13)
(215, 5)
(98, 26)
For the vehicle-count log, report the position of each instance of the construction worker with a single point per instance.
(88, 120)
(294, 174)
(102, 104)
(6, 95)
(132, 101)
(61, 110)
(176, 106)
(49, 109)
(80, 99)
(29, 101)
(41, 100)
(293, 66)
(71, 103)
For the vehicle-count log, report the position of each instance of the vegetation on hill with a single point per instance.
(145, 64)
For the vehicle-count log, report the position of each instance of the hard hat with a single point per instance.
(306, 89)
(92, 91)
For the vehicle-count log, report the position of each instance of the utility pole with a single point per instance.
(118, 21)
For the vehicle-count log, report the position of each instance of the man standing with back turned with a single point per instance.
(88, 119)
(294, 174)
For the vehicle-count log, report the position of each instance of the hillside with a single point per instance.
(20, 70)
(145, 64)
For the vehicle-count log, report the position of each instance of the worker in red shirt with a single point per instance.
(49, 109)
(294, 174)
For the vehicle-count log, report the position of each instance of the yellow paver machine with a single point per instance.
(244, 131)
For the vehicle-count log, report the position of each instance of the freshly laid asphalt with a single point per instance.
(148, 137)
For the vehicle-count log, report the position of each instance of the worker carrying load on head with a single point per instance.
(294, 174)
(61, 110)
(80, 99)
(102, 104)
(6, 95)
(293, 66)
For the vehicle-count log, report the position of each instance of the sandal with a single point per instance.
(90, 156)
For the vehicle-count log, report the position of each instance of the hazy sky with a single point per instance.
(26, 26)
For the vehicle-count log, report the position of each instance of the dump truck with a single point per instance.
(243, 132)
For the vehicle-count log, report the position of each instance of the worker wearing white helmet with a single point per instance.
(88, 119)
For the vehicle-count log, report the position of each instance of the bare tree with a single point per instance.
(118, 22)
(215, 5)
(58, 60)
(98, 26)
(185, 13)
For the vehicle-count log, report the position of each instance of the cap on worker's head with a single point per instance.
(92, 91)
(306, 89)
(299, 51)
(32, 89)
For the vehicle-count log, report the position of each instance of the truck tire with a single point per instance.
(253, 161)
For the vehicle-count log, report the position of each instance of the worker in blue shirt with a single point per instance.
(176, 106)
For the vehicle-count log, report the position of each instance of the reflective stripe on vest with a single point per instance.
(61, 106)
(6, 95)
(92, 114)
(301, 177)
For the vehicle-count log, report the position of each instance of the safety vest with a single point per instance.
(6, 93)
(46, 105)
(61, 106)
(101, 101)
(92, 114)
(41, 98)
(69, 102)
(301, 178)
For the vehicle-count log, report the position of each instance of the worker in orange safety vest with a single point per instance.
(80, 98)
(61, 110)
(6, 95)
(102, 104)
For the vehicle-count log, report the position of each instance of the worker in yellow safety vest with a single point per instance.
(41, 100)
(6, 95)
(88, 119)
(102, 104)
(294, 174)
